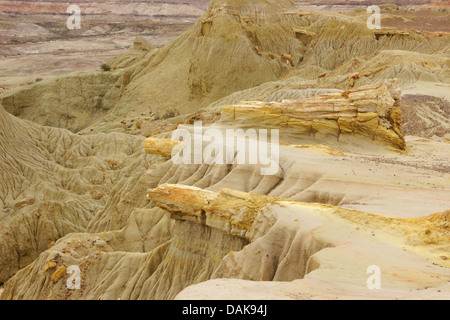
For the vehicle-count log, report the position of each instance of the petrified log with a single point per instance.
(369, 111)
(231, 211)
(162, 147)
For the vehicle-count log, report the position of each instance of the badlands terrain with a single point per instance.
(359, 175)
(35, 42)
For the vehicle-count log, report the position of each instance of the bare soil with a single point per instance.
(37, 44)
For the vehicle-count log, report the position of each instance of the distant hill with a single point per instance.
(136, 7)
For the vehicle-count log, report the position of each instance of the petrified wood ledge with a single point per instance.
(369, 111)
(162, 147)
(230, 211)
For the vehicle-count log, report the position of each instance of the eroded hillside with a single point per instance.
(271, 42)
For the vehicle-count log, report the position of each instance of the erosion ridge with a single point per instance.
(47, 191)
